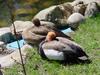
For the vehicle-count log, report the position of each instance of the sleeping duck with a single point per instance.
(62, 49)
(38, 32)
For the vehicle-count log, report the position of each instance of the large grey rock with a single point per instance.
(47, 23)
(42, 15)
(1, 46)
(56, 14)
(6, 35)
(4, 30)
(60, 15)
(20, 26)
(75, 19)
(84, 1)
(13, 58)
(92, 6)
(92, 9)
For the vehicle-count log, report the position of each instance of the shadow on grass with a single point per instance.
(75, 62)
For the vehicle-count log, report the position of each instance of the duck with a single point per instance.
(34, 35)
(61, 49)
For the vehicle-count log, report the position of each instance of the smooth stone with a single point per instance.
(1, 46)
(13, 58)
(1, 43)
(20, 26)
(4, 30)
(75, 19)
(76, 2)
(6, 35)
(91, 10)
(42, 15)
(56, 14)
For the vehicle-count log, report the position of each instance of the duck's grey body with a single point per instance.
(36, 34)
(62, 49)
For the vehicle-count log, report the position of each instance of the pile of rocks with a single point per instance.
(64, 15)
(14, 57)
(88, 8)
(8, 56)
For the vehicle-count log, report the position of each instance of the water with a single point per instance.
(14, 45)
(68, 30)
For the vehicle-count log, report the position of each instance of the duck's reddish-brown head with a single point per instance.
(50, 36)
(36, 22)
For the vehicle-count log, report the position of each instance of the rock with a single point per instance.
(1, 43)
(1, 46)
(60, 15)
(42, 15)
(20, 26)
(56, 14)
(84, 1)
(91, 10)
(77, 2)
(6, 35)
(92, 6)
(75, 19)
(4, 30)
(80, 8)
(47, 23)
(13, 58)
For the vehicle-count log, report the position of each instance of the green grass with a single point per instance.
(88, 36)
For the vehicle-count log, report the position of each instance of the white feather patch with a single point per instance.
(83, 58)
(53, 54)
